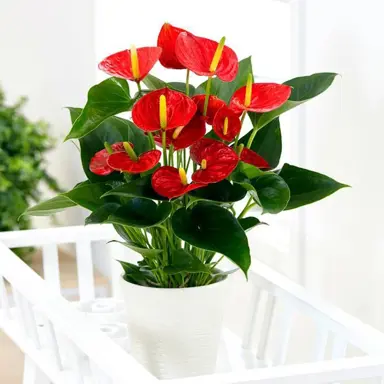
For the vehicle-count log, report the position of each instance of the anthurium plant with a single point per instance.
(170, 177)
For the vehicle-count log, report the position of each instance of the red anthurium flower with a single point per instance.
(167, 41)
(122, 162)
(214, 104)
(98, 163)
(183, 137)
(132, 64)
(163, 109)
(251, 157)
(172, 182)
(226, 124)
(217, 160)
(261, 97)
(206, 57)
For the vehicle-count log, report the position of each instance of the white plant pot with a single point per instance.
(175, 332)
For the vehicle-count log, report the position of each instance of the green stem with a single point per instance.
(151, 140)
(217, 262)
(238, 135)
(164, 142)
(170, 160)
(139, 87)
(246, 208)
(207, 93)
(252, 137)
(187, 83)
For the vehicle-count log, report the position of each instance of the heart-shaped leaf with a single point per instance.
(303, 89)
(141, 213)
(211, 227)
(249, 222)
(153, 83)
(141, 187)
(307, 186)
(145, 252)
(112, 130)
(88, 195)
(51, 206)
(101, 214)
(222, 192)
(105, 99)
(224, 90)
(267, 142)
(183, 261)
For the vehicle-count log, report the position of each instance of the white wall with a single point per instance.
(344, 136)
(47, 53)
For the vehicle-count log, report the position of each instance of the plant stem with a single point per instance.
(139, 87)
(170, 161)
(217, 262)
(187, 83)
(246, 208)
(238, 135)
(151, 140)
(252, 137)
(207, 93)
(164, 142)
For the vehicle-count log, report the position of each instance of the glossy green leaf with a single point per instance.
(153, 83)
(112, 130)
(88, 195)
(307, 186)
(141, 187)
(122, 232)
(224, 90)
(105, 99)
(303, 89)
(183, 261)
(141, 213)
(272, 191)
(101, 214)
(267, 142)
(250, 222)
(181, 87)
(211, 227)
(133, 274)
(222, 192)
(145, 252)
(49, 207)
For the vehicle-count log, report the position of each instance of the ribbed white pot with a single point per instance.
(175, 332)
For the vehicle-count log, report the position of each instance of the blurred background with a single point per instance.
(49, 52)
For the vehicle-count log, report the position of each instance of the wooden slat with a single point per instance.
(339, 347)
(4, 298)
(85, 270)
(265, 331)
(30, 321)
(320, 343)
(51, 266)
(250, 327)
(52, 343)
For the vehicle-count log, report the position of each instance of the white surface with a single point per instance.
(175, 333)
(344, 136)
(64, 350)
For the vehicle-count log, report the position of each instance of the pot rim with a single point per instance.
(225, 279)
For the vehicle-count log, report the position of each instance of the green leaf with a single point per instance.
(224, 90)
(49, 207)
(112, 130)
(133, 274)
(141, 213)
(211, 227)
(183, 261)
(272, 191)
(101, 214)
(105, 99)
(122, 232)
(307, 186)
(88, 195)
(249, 222)
(145, 252)
(153, 83)
(303, 89)
(138, 188)
(181, 87)
(267, 142)
(222, 192)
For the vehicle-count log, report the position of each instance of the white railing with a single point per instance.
(61, 346)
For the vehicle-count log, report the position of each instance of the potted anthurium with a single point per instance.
(170, 179)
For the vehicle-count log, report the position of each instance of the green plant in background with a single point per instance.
(22, 167)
